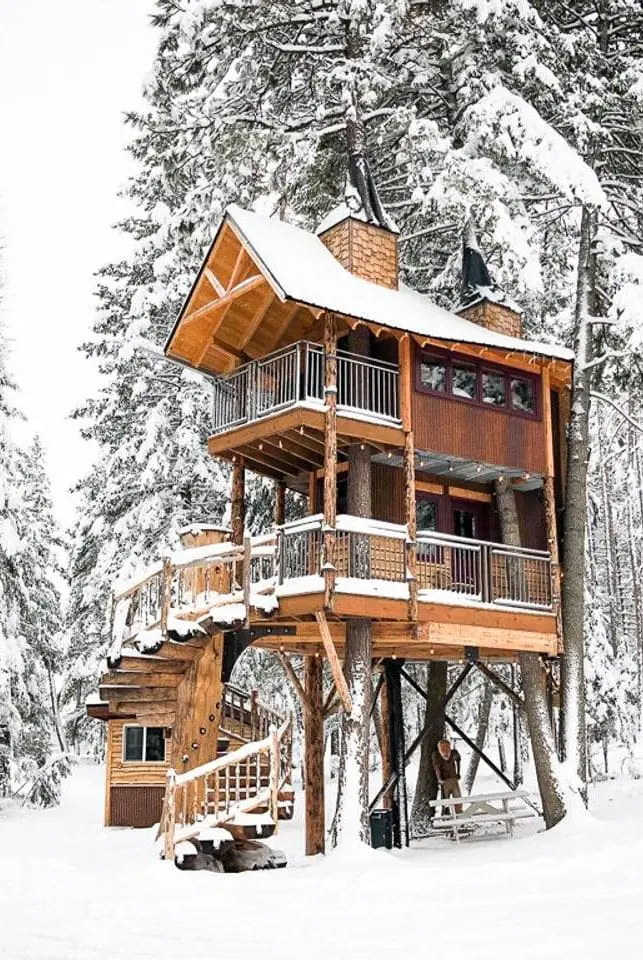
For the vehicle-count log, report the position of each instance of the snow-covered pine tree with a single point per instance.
(11, 588)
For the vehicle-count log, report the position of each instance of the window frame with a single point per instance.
(449, 361)
(144, 728)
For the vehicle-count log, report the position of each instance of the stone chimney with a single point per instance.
(359, 233)
(481, 299)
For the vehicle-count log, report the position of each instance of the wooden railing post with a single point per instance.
(275, 748)
(169, 812)
(166, 594)
(254, 714)
(330, 455)
(247, 558)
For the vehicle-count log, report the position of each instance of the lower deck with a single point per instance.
(442, 631)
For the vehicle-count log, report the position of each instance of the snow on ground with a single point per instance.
(72, 890)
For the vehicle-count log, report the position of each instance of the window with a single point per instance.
(523, 395)
(144, 744)
(476, 383)
(494, 388)
(426, 515)
(465, 382)
(433, 374)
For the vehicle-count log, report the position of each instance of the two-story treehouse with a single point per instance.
(395, 418)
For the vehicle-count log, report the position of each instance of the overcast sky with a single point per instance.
(68, 70)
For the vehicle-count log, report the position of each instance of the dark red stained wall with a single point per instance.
(136, 806)
(476, 432)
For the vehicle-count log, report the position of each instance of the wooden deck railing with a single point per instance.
(212, 794)
(295, 374)
(195, 582)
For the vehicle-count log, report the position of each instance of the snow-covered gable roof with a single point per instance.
(301, 268)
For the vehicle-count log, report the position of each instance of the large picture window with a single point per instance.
(144, 744)
(477, 383)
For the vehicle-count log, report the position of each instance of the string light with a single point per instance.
(450, 468)
(479, 468)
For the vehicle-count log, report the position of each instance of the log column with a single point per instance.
(549, 498)
(314, 755)
(330, 455)
(406, 386)
(280, 504)
(238, 505)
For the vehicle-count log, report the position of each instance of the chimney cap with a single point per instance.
(477, 282)
(361, 199)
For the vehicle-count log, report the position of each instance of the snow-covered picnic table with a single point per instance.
(503, 808)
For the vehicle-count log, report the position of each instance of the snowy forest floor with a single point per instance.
(72, 890)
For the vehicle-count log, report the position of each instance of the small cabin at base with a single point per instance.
(402, 424)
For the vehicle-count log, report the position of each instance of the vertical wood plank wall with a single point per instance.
(133, 791)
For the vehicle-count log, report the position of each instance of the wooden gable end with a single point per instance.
(234, 312)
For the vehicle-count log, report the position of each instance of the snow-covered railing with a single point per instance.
(245, 717)
(483, 571)
(214, 793)
(295, 374)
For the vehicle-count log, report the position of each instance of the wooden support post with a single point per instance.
(166, 597)
(333, 660)
(238, 494)
(280, 504)
(169, 815)
(312, 491)
(314, 756)
(245, 577)
(275, 753)
(406, 387)
(330, 455)
(549, 499)
(289, 670)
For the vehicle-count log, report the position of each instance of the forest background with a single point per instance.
(527, 115)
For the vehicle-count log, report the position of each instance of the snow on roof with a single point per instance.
(301, 268)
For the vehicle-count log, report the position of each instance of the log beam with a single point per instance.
(238, 493)
(330, 455)
(334, 662)
(314, 756)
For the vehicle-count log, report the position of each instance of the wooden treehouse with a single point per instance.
(395, 418)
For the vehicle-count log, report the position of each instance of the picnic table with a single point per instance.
(503, 808)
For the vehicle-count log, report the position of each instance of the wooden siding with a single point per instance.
(135, 806)
(455, 428)
(131, 773)
(387, 493)
(472, 431)
(531, 517)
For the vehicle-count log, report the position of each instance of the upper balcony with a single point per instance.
(283, 394)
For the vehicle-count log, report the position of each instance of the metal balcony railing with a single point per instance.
(294, 375)
(486, 572)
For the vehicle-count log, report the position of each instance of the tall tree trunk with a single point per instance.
(533, 684)
(574, 746)
(519, 775)
(426, 787)
(351, 817)
(481, 736)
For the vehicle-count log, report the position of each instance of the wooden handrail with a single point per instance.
(226, 808)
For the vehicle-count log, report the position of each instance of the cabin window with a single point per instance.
(144, 744)
(433, 374)
(523, 395)
(465, 382)
(426, 515)
(480, 384)
(494, 388)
